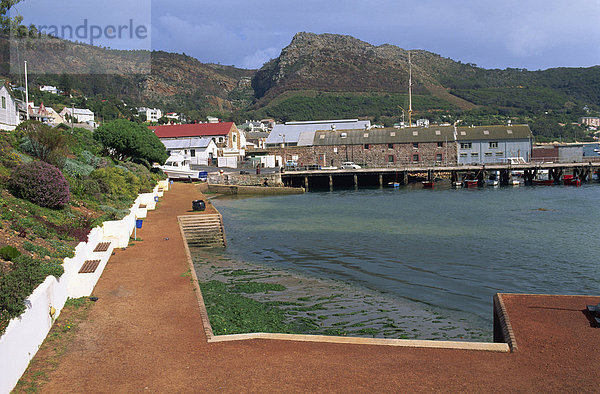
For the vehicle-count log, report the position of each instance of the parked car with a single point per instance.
(349, 165)
(291, 163)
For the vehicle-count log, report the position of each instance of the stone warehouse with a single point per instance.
(391, 147)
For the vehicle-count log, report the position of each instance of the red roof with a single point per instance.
(192, 130)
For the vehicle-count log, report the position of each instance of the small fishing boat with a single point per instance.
(471, 183)
(428, 184)
(457, 184)
(393, 184)
(571, 180)
(514, 182)
(543, 182)
(492, 182)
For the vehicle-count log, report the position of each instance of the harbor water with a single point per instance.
(439, 252)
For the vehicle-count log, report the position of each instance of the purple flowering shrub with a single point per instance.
(41, 183)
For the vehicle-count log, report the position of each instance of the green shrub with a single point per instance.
(9, 253)
(77, 169)
(44, 142)
(40, 183)
(18, 283)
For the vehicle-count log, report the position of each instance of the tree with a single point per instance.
(125, 140)
(7, 23)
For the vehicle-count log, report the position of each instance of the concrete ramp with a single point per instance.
(203, 230)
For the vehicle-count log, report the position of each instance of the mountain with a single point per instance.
(338, 74)
(171, 81)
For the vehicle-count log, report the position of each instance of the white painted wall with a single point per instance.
(25, 334)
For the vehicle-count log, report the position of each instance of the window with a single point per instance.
(234, 137)
(440, 144)
(391, 158)
(416, 157)
(474, 155)
(366, 146)
(466, 145)
(493, 144)
(193, 152)
(3, 102)
(439, 157)
(335, 150)
(416, 145)
(499, 154)
(488, 154)
(463, 155)
(390, 146)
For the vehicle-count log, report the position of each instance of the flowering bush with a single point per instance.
(41, 183)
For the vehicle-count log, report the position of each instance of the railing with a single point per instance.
(562, 160)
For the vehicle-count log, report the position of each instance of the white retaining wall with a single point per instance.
(25, 334)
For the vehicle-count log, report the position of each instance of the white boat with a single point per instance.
(178, 167)
(514, 182)
(492, 182)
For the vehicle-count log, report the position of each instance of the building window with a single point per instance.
(440, 144)
(439, 157)
(493, 144)
(499, 154)
(390, 146)
(366, 146)
(466, 145)
(416, 145)
(193, 152)
(391, 159)
(463, 155)
(233, 138)
(474, 155)
(488, 154)
(335, 150)
(416, 157)
(3, 102)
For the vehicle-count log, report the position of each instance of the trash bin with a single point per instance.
(138, 223)
(198, 205)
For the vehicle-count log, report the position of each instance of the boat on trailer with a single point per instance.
(178, 167)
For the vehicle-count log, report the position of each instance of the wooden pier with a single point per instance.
(379, 177)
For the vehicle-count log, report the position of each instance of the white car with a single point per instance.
(349, 165)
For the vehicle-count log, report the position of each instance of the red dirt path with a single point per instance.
(145, 333)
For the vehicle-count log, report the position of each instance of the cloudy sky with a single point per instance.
(532, 34)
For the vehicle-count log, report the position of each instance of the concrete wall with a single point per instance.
(25, 334)
(253, 190)
(245, 179)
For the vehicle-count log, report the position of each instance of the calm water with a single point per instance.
(449, 250)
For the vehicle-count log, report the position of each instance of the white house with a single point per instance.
(9, 114)
(49, 89)
(152, 114)
(81, 115)
(200, 150)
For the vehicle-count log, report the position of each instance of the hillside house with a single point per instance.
(230, 142)
(493, 144)
(593, 121)
(81, 115)
(9, 113)
(44, 114)
(150, 114)
(49, 89)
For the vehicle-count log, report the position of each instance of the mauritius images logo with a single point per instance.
(75, 42)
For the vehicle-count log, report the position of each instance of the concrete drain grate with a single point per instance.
(102, 247)
(89, 266)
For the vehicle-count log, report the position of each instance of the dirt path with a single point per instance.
(145, 333)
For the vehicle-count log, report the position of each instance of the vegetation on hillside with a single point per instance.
(55, 186)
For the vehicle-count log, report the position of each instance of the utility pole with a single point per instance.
(26, 92)
(409, 91)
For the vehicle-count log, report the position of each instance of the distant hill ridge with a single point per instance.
(325, 75)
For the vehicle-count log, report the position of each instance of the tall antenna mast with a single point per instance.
(409, 91)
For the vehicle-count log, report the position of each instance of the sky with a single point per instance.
(531, 34)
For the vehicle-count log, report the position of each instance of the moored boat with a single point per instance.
(571, 180)
(470, 183)
(428, 184)
(393, 184)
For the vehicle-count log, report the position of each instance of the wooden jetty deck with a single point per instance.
(369, 177)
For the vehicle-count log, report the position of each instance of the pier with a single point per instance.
(379, 177)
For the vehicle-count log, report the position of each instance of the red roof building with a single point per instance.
(194, 130)
(226, 135)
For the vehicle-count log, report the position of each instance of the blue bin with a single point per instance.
(155, 198)
(203, 176)
(138, 223)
